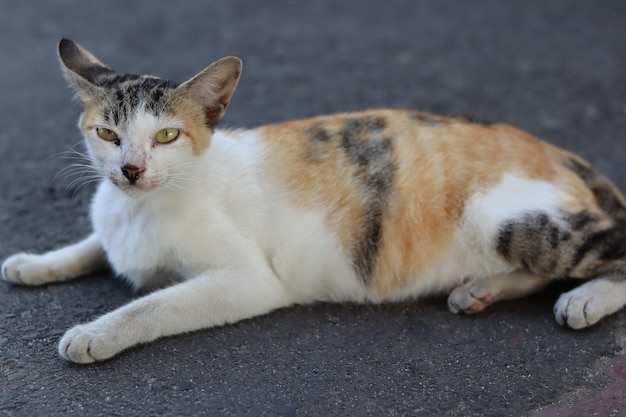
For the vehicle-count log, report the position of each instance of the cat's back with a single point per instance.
(374, 144)
(385, 156)
(396, 186)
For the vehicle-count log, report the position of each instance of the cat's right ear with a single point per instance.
(83, 71)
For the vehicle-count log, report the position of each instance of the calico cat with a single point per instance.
(375, 206)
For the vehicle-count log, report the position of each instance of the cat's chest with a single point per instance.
(139, 238)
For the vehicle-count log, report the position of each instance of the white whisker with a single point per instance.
(78, 170)
(72, 153)
(80, 173)
(81, 182)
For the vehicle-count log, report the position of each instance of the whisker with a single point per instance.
(77, 170)
(79, 175)
(81, 182)
(72, 153)
(83, 169)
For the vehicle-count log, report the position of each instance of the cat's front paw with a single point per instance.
(87, 343)
(26, 269)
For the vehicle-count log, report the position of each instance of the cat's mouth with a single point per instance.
(135, 188)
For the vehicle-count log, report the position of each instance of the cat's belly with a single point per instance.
(460, 261)
(306, 256)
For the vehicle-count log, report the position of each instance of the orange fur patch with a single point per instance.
(195, 128)
(440, 164)
(90, 113)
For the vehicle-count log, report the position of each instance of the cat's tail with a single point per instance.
(608, 197)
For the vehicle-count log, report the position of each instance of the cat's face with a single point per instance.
(144, 133)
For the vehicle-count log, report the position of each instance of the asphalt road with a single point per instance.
(555, 68)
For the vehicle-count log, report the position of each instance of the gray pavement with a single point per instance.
(555, 68)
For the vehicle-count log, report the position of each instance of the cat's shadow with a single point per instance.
(103, 292)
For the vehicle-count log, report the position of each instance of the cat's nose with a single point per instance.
(132, 172)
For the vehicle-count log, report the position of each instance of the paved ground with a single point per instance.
(554, 68)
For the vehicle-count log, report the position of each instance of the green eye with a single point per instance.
(166, 135)
(106, 134)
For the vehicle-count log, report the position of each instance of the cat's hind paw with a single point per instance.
(576, 310)
(472, 296)
(86, 343)
(26, 269)
(586, 305)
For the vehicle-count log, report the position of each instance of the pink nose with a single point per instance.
(132, 172)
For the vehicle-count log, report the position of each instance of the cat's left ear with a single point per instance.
(213, 87)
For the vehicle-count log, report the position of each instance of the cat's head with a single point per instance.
(144, 132)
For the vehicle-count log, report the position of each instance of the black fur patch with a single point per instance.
(436, 120)
(318, 133)
(475, 120)
(363, 140)
(572, 246)
(127, 92)
(580, 220)
(587, 174)
(611, 204)
(319, 144)
(607, 245)
(427, 119)
(535, 242)
(604, 192)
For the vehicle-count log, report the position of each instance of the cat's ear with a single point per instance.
(213, 87)
(83, 71)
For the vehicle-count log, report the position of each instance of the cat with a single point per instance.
(373, 206)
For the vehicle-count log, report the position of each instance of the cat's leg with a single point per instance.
(474, 295)
(62, 264)
(211, 299)
(583, 245)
